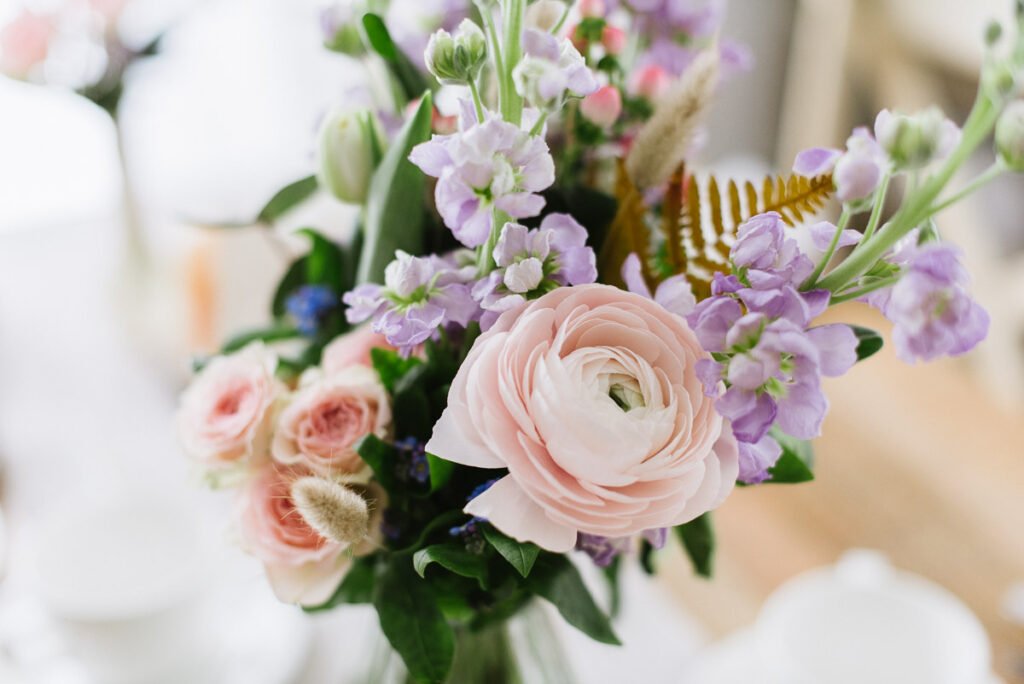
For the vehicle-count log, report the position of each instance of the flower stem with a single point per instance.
(512, 106)
(537, 127)
(867, 289)
(485, 257)
(917, 207)
(844, 219)
(876, 211)
(990, 174)
(495, 47)
(477, 104)
(561, 20)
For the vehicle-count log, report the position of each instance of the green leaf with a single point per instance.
(612, 573)
(381, 457)
(325, 261)
(391, 367)
(405, 72)
(794, 465)
(521, 555)
(293, 279)
(274, 334)
(698, 538)
(647, 557)
(394, 205)
(357, 587)
(411, 410)
(556, 579)
(453, 557)
(869, 342)
(287, 198)
(440, 472)
(412, 621)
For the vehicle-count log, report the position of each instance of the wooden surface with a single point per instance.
(916, 461)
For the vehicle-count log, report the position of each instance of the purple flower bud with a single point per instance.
(859, 171)
(673, 293)
(757, 458)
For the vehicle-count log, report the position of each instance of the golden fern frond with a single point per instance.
(707, 233)
(627, 233)
(671, 210)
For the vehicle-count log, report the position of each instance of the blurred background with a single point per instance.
(111, 278)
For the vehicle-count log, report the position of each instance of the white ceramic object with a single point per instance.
(864, 621)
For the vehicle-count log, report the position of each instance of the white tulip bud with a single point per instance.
(458, 59)
(351, 146)
(332, 509)
(1010, 136)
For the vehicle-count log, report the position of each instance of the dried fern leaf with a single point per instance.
(671, 211)
(707, 235)
(627, 233)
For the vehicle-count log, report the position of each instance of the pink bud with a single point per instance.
(603, 106)
(650, 82)
(24, 43)
(591, 8)
(614, 39)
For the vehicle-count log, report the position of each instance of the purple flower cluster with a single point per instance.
(551, 70)
(533, 262)
(933, 312)
(487, 165)
(604, 550)
(756, 326)
(419, 296)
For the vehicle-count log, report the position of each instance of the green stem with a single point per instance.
(990, 174)
(540, 124)
(876, 211)
(485, 258)
(561, 20)
(512, 107)
(477, 104)
(844, 219)
(917, 207)
(867, 289)
(495, 48)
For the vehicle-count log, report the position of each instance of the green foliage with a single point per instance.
(698, 539)
(454, 557)
(794, 465)
(557, 580)
(390, 366)
(395, 206)
(382, 458)
(869, 342)
(357, 587)
(276, 333)
(520, 555)
(287, 198)
(405, 73)
(413, 622)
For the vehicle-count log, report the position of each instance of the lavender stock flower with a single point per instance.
(933, 313)
(487, 165)
(419, 295)
(533, 262)
(551, 70)
(857, 172)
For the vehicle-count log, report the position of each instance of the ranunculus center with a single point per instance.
(625, 391)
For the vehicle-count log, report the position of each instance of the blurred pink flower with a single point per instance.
(602, 107)
(24, 43)
(352, 349)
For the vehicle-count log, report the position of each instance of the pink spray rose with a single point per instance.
(589, 396)
(24, 43)
(603, 106)
(302, 566)
(352, 349)
(226, 414)
(325, 419)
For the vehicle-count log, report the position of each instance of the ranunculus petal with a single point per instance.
(448, 439)
(506, 506)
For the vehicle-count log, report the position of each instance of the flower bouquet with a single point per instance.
(547, 332)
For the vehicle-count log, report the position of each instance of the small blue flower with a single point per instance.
(309, 304)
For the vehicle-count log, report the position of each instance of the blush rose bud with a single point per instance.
(614, 40)
(650, 82)
(916, 140)
(332, 509)
(591, 9)
(458, 59)
(351, 146)
(602, 107)
(1010, 136)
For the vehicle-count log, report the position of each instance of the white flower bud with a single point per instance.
(1010, 136)
(458, 59)
(332, 509)
(524, 276)
(916, 140)
(351, 145)
(544, 15)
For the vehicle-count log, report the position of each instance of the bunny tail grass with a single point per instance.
(332, 509)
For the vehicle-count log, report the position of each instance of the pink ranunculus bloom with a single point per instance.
(302, 566)
(352, 349)
(602, 107)
(590, 397)
(326, 418)
(226, 414)
(24, 43)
